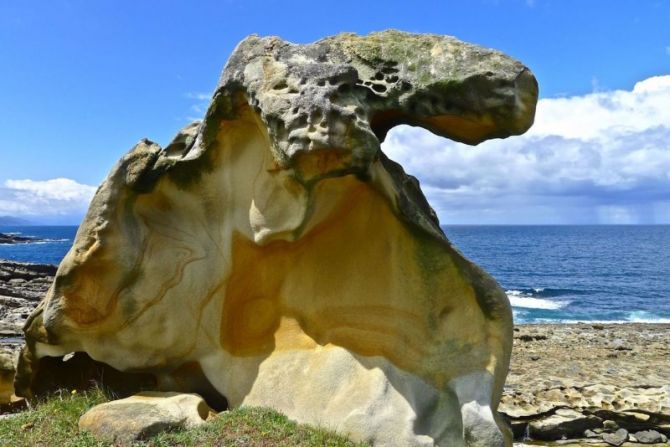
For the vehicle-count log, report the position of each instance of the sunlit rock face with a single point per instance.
(274, 253)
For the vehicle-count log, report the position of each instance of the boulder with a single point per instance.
(141, 416)
(274, 255)
(650, 437)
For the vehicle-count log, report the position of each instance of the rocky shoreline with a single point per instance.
(590, 384)
(22, 286)
(571, 385)
(15, 239)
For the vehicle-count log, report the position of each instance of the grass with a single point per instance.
(53, 422)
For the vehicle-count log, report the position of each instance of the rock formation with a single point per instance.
(275, 256)
(16, 239)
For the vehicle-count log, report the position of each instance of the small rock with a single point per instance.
(529, 337)
(535, 358)
(610, 425)
(598, 327)
(617, 438)
(144, 415)
(619, 345)
(650, 437)
(590, 434)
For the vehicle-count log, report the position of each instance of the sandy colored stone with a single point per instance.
(275, 254)
(141, 416)
(7, 370)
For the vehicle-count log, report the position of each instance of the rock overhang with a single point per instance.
(277, 233)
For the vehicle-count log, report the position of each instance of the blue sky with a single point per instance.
(82, 81)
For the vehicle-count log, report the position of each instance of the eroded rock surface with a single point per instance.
(588, 381)
(274, 254)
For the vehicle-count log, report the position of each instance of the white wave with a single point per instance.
(539, 289)
(642, 316)
(45, 241)
(519, 299)
(578, 321)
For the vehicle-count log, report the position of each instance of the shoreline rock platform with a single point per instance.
(565, 380)
(8, 238)
(588, 382)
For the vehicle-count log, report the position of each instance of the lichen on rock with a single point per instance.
(272, 255)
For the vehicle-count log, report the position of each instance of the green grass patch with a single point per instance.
(53, 422)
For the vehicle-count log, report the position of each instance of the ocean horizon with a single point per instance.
(550, 273)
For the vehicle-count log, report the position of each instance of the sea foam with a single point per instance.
(518, 298)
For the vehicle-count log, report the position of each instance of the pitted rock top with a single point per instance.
(345, 92)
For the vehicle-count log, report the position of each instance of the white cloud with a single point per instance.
(45, 198)
(200, 107)
(602, 157)
(199, 96)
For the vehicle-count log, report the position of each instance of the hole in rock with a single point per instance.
(379, 88)
(390, 68)
(280, 85)
(79, 371)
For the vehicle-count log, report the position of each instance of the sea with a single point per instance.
(551, 274)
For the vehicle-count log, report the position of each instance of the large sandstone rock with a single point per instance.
(275, 254)
(141, 416)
